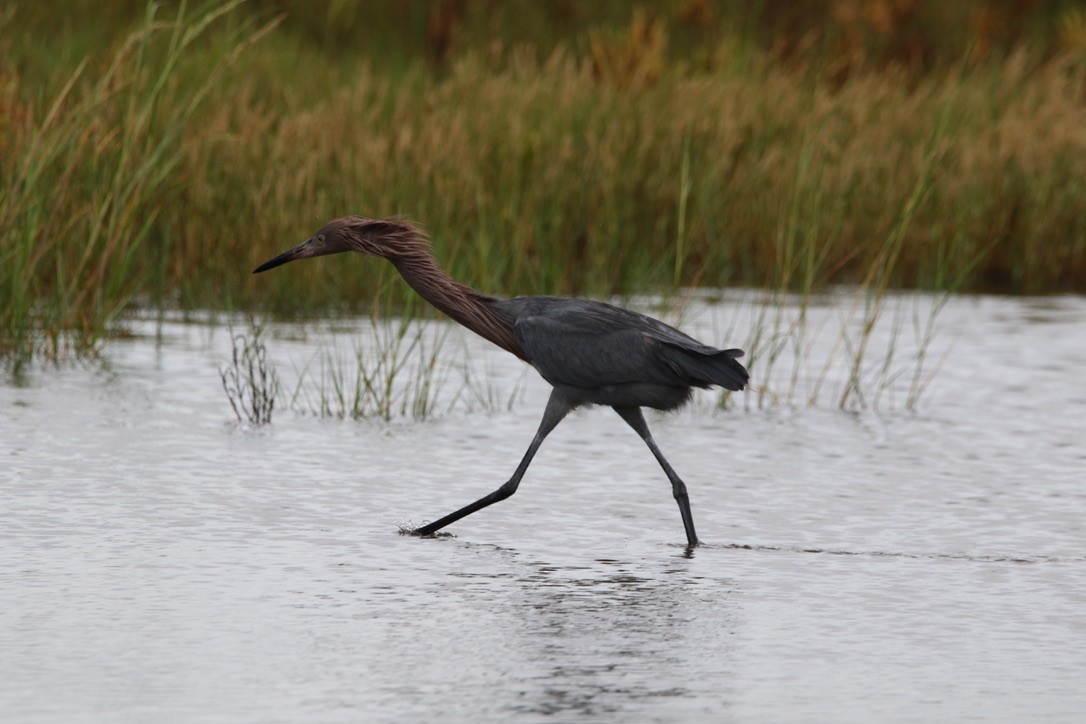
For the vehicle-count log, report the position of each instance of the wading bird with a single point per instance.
(590, 352)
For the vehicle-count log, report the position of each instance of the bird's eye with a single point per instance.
(320, 238)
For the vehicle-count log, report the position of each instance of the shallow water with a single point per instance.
(159, 563)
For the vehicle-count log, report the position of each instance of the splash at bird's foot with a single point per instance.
(419, 533)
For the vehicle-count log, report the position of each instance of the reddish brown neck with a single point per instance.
(462, 303)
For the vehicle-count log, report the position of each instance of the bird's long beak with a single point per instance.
(306, 248)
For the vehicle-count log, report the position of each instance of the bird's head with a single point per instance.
(389, 238)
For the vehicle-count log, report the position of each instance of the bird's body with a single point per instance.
(592, 353)
(600, 354)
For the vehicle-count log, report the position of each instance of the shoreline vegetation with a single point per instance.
(547, 148)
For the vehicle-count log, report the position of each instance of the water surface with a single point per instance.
(160, 563)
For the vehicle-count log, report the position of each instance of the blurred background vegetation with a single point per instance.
(152, 155)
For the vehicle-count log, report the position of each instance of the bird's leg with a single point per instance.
(636, 420)
(557, 408)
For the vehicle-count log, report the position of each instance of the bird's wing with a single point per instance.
(590, 344)
(569, 351)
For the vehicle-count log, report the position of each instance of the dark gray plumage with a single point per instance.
(590, 352)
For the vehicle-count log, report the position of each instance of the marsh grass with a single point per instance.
(163, 169)
(249, 379)
(89, 178)
(479, 392)
(783, 337)
(825, 348)
(399, 367)
(395, 368)
(819, 350)
(536, 178)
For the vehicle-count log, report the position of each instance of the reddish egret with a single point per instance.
(590, 352)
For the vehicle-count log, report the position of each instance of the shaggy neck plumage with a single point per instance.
(462, 303)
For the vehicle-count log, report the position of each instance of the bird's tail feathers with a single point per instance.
(715, 367)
